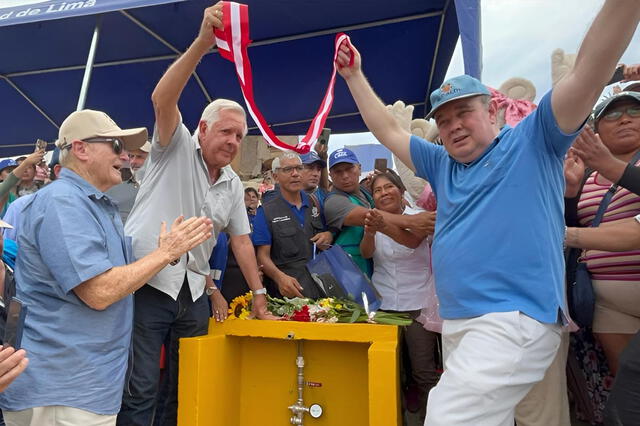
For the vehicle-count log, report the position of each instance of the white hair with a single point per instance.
(211, 113)
(64, 159)
(276, 161)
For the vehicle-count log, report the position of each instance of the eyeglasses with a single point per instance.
(116, 143)
(289, 169)
(632, 111)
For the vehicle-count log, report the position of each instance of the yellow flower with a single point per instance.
(239, 306)
(325, 303)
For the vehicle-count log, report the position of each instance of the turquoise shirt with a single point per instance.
(500, 227)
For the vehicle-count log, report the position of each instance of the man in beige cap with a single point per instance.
(75, 276)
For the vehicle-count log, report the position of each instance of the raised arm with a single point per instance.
(374, 113)
(168, 90)
(602, 47)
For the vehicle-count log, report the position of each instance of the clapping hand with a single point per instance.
(184, 235)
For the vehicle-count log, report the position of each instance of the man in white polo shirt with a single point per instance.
(185, 174)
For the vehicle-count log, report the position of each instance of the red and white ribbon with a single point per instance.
(232, 42)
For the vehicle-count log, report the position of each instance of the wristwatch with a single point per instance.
(210, 290)
(260, 291)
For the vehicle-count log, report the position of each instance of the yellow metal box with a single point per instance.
(244, 373)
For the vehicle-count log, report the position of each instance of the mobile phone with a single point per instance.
(126, 173)
(618, 75)
(324, 136)
(380, 164)
(16, 314)
(41, 145)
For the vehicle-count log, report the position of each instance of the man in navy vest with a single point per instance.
(288, 229)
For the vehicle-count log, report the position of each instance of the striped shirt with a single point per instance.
(603, 265)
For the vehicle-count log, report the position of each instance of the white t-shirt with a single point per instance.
(400, 274)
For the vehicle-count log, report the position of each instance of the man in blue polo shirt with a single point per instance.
(497, 252)
(74, 273)
(286, 229)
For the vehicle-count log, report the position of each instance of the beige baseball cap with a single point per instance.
(146, 147)
(86, 124)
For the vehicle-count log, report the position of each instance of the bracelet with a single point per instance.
(260, 291)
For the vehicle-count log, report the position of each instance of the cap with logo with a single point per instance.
(87, 124)
(312, 157)
(342, 155)
(602, 107)
(462, 86)
(8, 162)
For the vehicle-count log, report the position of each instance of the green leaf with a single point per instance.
(355, 315)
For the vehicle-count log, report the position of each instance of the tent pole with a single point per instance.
(84, 89)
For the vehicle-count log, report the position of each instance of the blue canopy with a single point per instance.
(406, 47)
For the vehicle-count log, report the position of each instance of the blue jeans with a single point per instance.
(157, 318)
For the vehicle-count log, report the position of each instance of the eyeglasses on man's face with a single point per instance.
(289, 169)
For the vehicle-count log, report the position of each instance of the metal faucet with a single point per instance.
(298, 409)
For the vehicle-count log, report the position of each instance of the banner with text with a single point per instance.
(14, 12)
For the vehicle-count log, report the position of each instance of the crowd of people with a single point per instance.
(116, 264)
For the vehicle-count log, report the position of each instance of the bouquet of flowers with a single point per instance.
(329, 310)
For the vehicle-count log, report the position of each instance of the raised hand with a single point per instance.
(631, 72)
(184, 235)
(35, 158)
(343, 59)
(573, 173)
(211, 19)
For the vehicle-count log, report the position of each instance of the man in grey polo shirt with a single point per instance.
(184, 174)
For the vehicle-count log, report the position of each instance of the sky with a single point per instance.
(518, 37)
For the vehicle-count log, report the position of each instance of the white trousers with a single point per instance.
(490, 363)
(57, 415)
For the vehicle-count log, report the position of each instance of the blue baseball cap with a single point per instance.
(55, 157)
(312, 157)
(342, 155)
(462, 86)
(9, 162)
